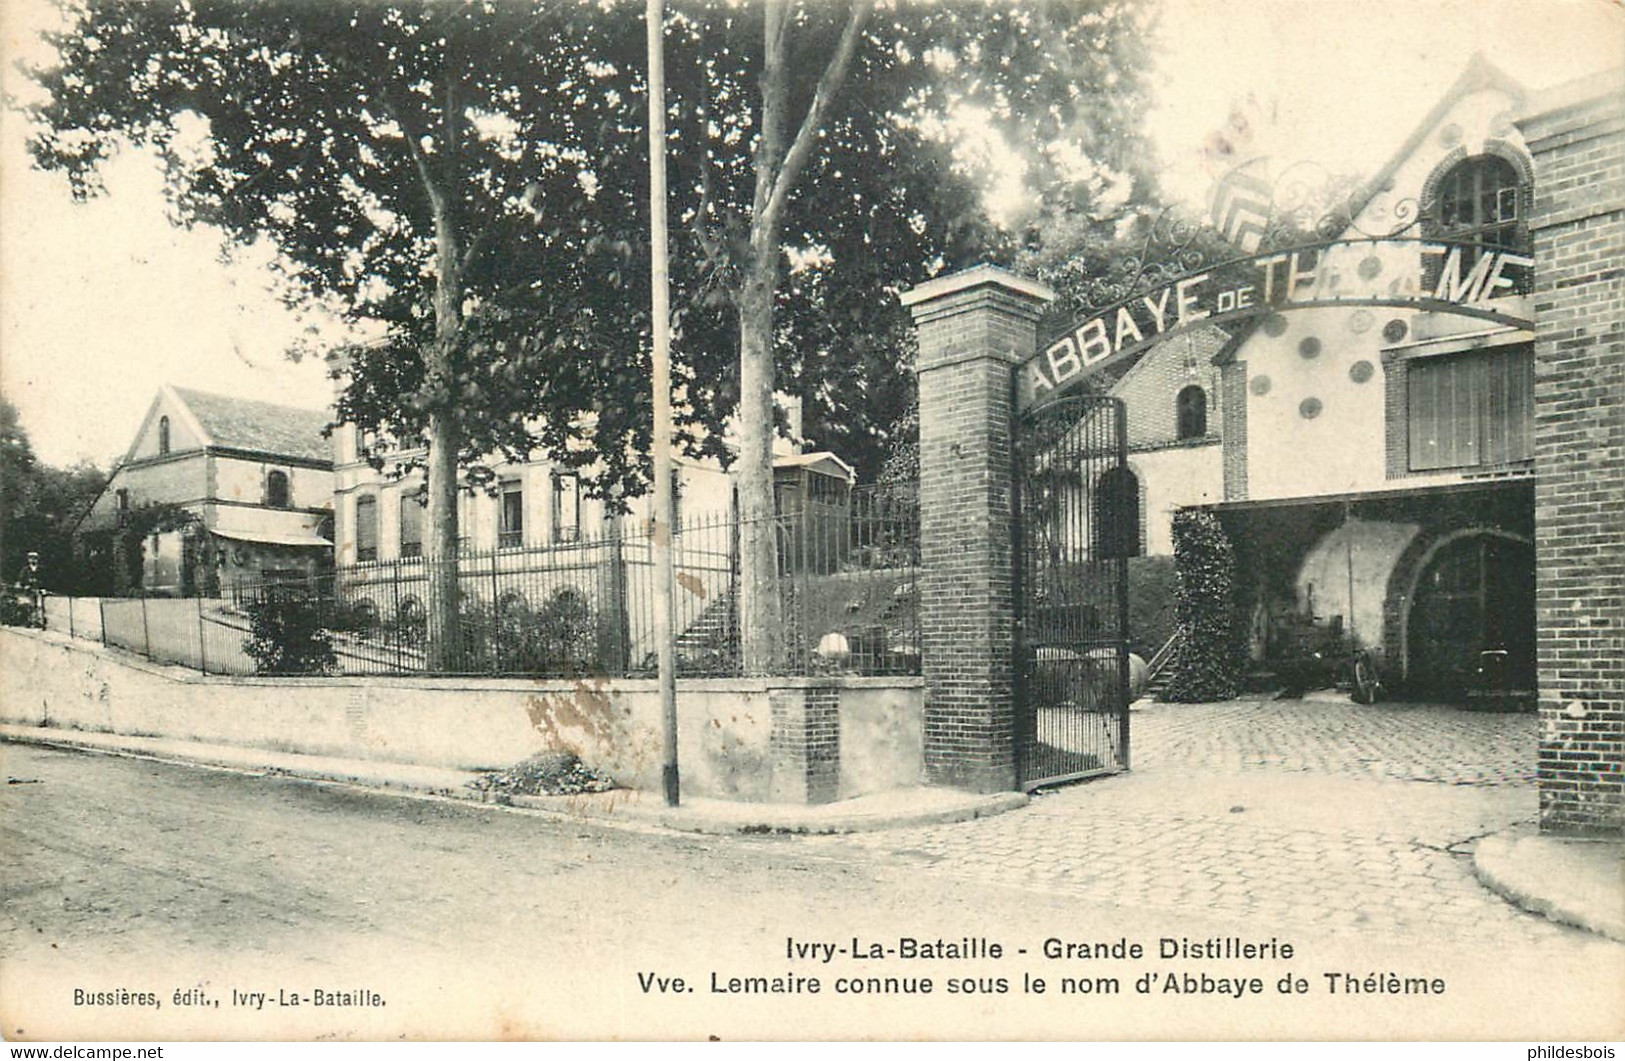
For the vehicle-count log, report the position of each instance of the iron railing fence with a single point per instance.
(847, 594)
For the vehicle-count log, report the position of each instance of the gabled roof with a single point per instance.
(1480, 74)
(1205, 342)
(243, 423)
(822, 460)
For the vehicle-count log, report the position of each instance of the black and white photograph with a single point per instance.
(835, 520)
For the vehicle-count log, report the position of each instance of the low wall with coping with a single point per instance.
(781, 739)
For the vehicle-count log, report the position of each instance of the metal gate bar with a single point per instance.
(1077, 521)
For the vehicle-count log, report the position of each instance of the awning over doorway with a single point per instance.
(1505, 503)
(297, 539)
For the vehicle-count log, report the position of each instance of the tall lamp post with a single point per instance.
(660, 528)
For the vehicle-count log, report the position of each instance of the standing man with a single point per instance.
(30, 595)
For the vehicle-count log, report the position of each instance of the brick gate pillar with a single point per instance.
(1577, 136)
(973, 327)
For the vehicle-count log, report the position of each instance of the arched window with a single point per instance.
(1117, 514)
(1191, 406)
(276, 490)
(163, 435)
(1479, 202)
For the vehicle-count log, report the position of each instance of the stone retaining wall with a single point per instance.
(745, 739)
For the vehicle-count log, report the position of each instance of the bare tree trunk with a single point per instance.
(445, 428)
(761, 638)
(441, 547)
(778, 163)
(761, 623)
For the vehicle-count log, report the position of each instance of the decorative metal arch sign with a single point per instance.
(1471, 281)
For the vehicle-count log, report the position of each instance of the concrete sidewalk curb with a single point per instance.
(621, 807)
(886, 810)
(1573, 881)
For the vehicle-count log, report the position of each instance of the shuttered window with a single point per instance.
(411, 525)
(366, 528)
(1472, 410)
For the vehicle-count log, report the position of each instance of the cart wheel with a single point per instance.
(1367, 688)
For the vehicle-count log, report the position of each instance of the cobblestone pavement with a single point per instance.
(1409, 742)
(1308, 814)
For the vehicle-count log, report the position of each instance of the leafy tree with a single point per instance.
(453, 170)
(288, 635)
(470, 174)
(825, 172)
(40, 505)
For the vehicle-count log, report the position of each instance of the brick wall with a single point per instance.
(972, 327)
(1396, 416)
(1577, 137)
(1151, 388)
(1233, 382)
(804, 743)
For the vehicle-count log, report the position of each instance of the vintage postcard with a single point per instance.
(1097, 520)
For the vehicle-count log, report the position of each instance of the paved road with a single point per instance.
(479, 922)
(1316, 814)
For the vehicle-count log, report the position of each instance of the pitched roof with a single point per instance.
(1479, 74)
(242, 423)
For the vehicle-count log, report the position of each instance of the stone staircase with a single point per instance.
(1159, 670)
(707, 642)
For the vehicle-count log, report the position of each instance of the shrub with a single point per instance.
(1153, 594)
(1207, 665)
(287, 635)
(557, 639)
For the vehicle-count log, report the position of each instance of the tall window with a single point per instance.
(511, 519)
(566, 507)
(163, 435)
(1478, 202)
(411, 525)
(276, 490)
(1117, 514)
(1474, 410)
(366, 528)
(1191, 407)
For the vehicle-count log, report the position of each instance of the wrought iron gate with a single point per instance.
(1077, 518)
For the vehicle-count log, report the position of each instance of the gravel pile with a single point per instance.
(548, 774)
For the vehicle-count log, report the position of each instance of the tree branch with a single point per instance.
(775, 94)
(431, 187)
(829, 83)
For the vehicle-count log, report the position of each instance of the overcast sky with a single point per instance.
(100, 303)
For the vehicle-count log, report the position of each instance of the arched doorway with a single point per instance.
(1475, 595)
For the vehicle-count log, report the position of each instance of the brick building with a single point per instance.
(1379, 460)
(1419, 433)
(1175, 430)
(1375, 464)
(1576, 136)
